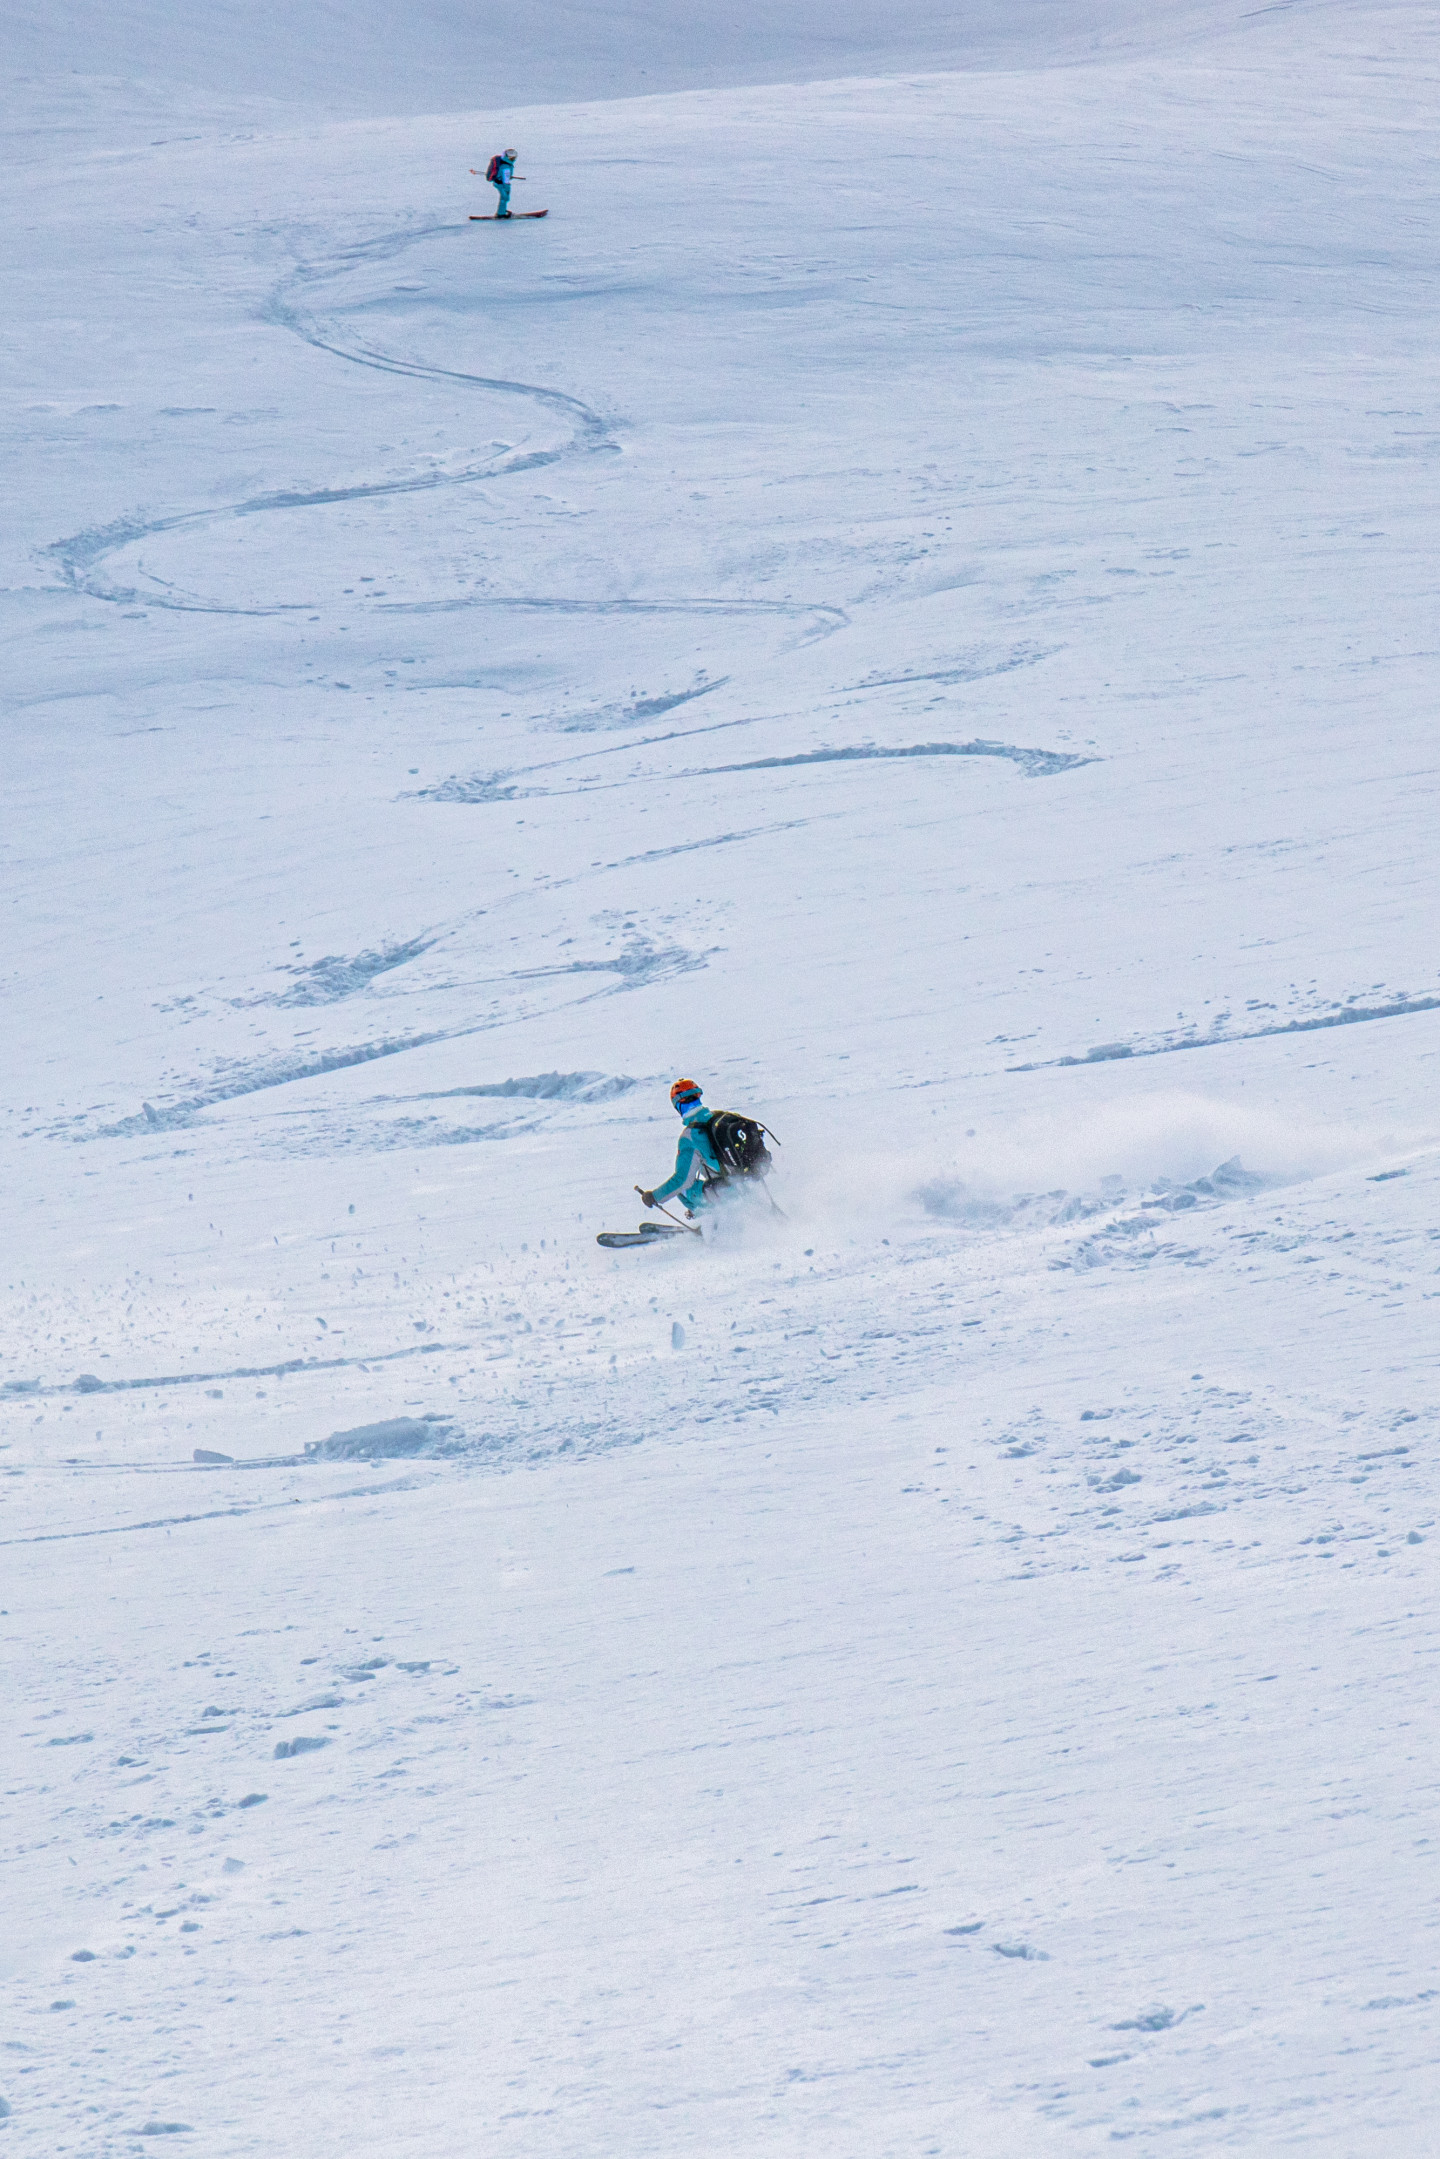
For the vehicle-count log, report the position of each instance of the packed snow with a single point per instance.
(909, 598)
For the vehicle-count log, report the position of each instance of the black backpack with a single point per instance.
(492, 170)
(739, 1144)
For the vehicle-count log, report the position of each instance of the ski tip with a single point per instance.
(616, 1240)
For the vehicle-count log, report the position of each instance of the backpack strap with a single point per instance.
(711, 1176)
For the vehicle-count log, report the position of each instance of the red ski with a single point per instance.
(492, 217)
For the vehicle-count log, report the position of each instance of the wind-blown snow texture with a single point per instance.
(910, 597)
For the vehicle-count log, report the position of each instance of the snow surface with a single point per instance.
(910, 597)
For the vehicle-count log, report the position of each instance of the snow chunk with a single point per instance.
(394, 1436)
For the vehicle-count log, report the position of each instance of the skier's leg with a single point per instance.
(504, 209)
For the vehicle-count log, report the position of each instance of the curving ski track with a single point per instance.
(79, 555)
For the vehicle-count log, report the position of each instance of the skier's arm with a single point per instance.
(684, 1157)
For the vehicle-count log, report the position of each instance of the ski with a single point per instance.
(493, 217)
(616, 1240)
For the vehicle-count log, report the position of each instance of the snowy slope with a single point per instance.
(115, 58)
(938, 644)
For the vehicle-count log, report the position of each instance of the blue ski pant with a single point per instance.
(504, 190)
(693, 1197)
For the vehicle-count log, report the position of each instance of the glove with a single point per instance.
(649, 1198)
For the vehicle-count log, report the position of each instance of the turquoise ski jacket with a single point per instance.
(696, 1161)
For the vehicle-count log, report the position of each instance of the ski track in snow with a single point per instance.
(1351, 1014)
(79, 556)
(1035, 764)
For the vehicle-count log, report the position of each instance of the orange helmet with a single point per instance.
(684, 1094)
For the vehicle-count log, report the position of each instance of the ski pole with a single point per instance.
(689, 1227)
(779, 1210)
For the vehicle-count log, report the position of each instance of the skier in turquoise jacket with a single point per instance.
(502, 172)
(696, 1162)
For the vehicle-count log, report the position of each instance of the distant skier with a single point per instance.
(715, 1146)
(500, 172)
